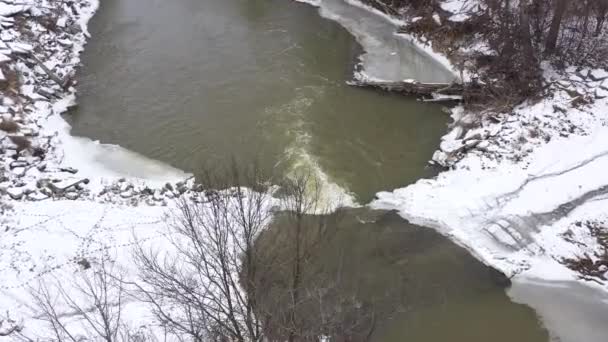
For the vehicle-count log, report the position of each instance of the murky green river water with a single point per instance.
(195, 82)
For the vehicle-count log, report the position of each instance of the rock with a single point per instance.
(576, 78)
(18, 163)
(125, 186)
(42, 183)
(61, 22)
(7, 101)
(46, 191)
(72, 195)
(19, 47)
(483, 145)
(559, 108)
(583, 73)
(598, 74)
(19, 171)
(37, 196)
(440, 158)
(169, 187)
(601, 93)
(604, 85)
(157, 196)
(127, 194)
(15, 193)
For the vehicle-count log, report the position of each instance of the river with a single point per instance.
(194, 83)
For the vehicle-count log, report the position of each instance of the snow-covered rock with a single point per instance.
(601, 93)
(15, 193)
(598, 74)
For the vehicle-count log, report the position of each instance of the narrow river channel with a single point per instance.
(193, 83)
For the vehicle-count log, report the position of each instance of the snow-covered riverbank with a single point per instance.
(526, 189)
(39, 49)
(500, 200)
(520, 197)
(62, 198)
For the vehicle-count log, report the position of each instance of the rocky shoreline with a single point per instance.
(40, 44)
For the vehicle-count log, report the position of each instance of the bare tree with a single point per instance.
(89, 308)
(553, 35)
(199, 288)
(233, 270)
(601, 12)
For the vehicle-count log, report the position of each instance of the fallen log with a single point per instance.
(412, 87)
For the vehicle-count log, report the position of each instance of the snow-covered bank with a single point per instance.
(525, 186)
(62, 198)
(40, 46)
(522, 182)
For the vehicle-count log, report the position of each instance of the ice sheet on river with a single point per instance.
(388, 56)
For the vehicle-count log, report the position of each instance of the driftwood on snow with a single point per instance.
(410, 87)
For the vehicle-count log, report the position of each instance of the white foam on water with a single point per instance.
(331, 195)
(297, 160)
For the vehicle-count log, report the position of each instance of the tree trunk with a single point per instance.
(526, 36)
(556, 23)
(602, 10)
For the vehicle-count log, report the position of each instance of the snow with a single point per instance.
(8, 9)
(511, 203)
(47, 240)
(505, 187)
